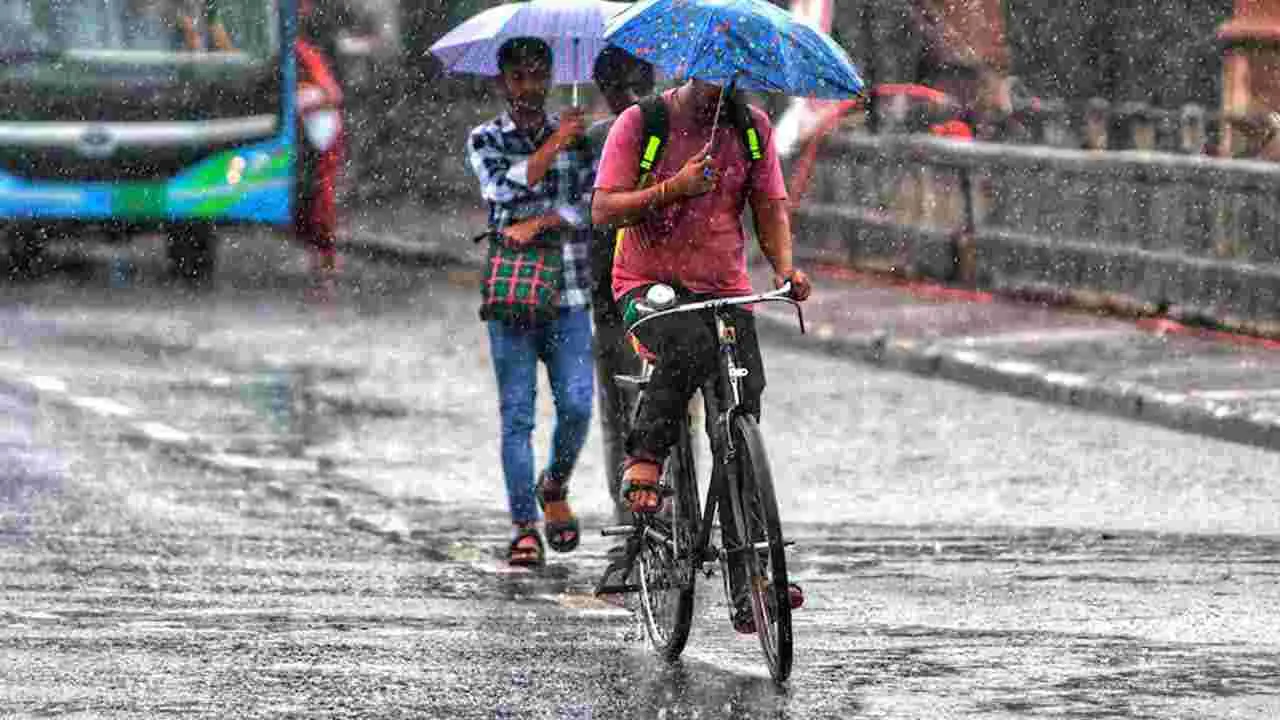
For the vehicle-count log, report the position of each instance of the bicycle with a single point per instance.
(674, 545)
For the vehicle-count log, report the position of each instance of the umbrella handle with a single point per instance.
(715, 123)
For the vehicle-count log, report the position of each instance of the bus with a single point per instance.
(120, 117)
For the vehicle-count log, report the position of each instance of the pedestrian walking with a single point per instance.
(623, 80)
(536, 175)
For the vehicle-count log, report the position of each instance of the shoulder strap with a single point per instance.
(654, 112)
(740, 115)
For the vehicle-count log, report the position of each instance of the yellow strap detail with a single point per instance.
(650, 152)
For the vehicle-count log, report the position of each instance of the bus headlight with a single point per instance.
(235, 170)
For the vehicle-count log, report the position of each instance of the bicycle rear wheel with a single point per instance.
(667, 567)
(759, 527)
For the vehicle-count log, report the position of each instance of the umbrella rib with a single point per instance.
(703, 39)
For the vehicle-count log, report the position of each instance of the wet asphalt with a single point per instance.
(261, 500)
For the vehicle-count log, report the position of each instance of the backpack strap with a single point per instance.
(740, 116)
(654, 140)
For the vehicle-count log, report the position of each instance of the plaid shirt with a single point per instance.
(498, 153)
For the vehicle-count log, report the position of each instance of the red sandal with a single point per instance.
(640, 476)
(523, 553)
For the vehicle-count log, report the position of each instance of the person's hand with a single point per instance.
(573, 125)
(697, 177)
(522, 233)
(800, 286)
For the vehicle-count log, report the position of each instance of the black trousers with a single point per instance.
(614, 356)
(687, 351)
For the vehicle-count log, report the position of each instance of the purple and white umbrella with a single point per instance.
(573, 29)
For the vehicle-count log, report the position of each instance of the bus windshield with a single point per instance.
(139, 30)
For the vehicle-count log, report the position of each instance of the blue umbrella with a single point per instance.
(748, 43)
(573, 28)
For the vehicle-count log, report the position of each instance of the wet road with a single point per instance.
(252, 502)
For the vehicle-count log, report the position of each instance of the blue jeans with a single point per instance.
(564, 346)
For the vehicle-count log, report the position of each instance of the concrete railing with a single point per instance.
(1151, 232)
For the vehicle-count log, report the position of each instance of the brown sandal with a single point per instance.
(563, 532)
(640, 479)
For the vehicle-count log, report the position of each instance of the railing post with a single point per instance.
(966, 248)
(1097, 121)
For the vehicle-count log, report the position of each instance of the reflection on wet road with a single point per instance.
(241, 505)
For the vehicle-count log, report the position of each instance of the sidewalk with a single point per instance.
(1155, 371)
(1151, 370)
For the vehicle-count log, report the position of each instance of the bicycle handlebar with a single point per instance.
(782, 294)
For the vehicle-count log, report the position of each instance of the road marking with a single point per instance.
(102, 406)
(1237, 394)
(1066, 379)
(233, 461)
(45, 383)
(1044, 337)
(585, 605)
(1016, 367)
(163, 433)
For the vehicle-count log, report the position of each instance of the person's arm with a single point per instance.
(771, 211)
(620, 208)
(492, 169)
(190, 37)
(773, 228)
(526, 231)
(535, 169)
(317, 87)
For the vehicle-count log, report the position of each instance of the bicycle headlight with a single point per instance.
(660, 297)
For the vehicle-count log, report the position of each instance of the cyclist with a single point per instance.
(684, 230)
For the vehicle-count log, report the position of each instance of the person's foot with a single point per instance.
(324, 261)
(616, 552)
(561, 524)
(526, 547)
(744, 620)
(640, 484)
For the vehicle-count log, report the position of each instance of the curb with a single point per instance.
(1014, 377)
(1024, 379)
(435, 256)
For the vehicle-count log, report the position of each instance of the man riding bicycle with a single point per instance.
(683, 229)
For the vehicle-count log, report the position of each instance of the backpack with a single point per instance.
(655, 123)
(654, 112)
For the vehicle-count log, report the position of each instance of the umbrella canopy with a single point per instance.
(753, 42)
(573, 28)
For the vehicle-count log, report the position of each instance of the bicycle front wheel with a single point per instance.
(760, 533)
(667, 567)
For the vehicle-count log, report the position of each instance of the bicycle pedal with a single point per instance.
(631, 381)
(765, 545)
(617, 589)
(618, 530)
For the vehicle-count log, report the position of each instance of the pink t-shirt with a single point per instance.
(698, 243)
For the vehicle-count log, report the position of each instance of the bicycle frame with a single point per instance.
(728, 391)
